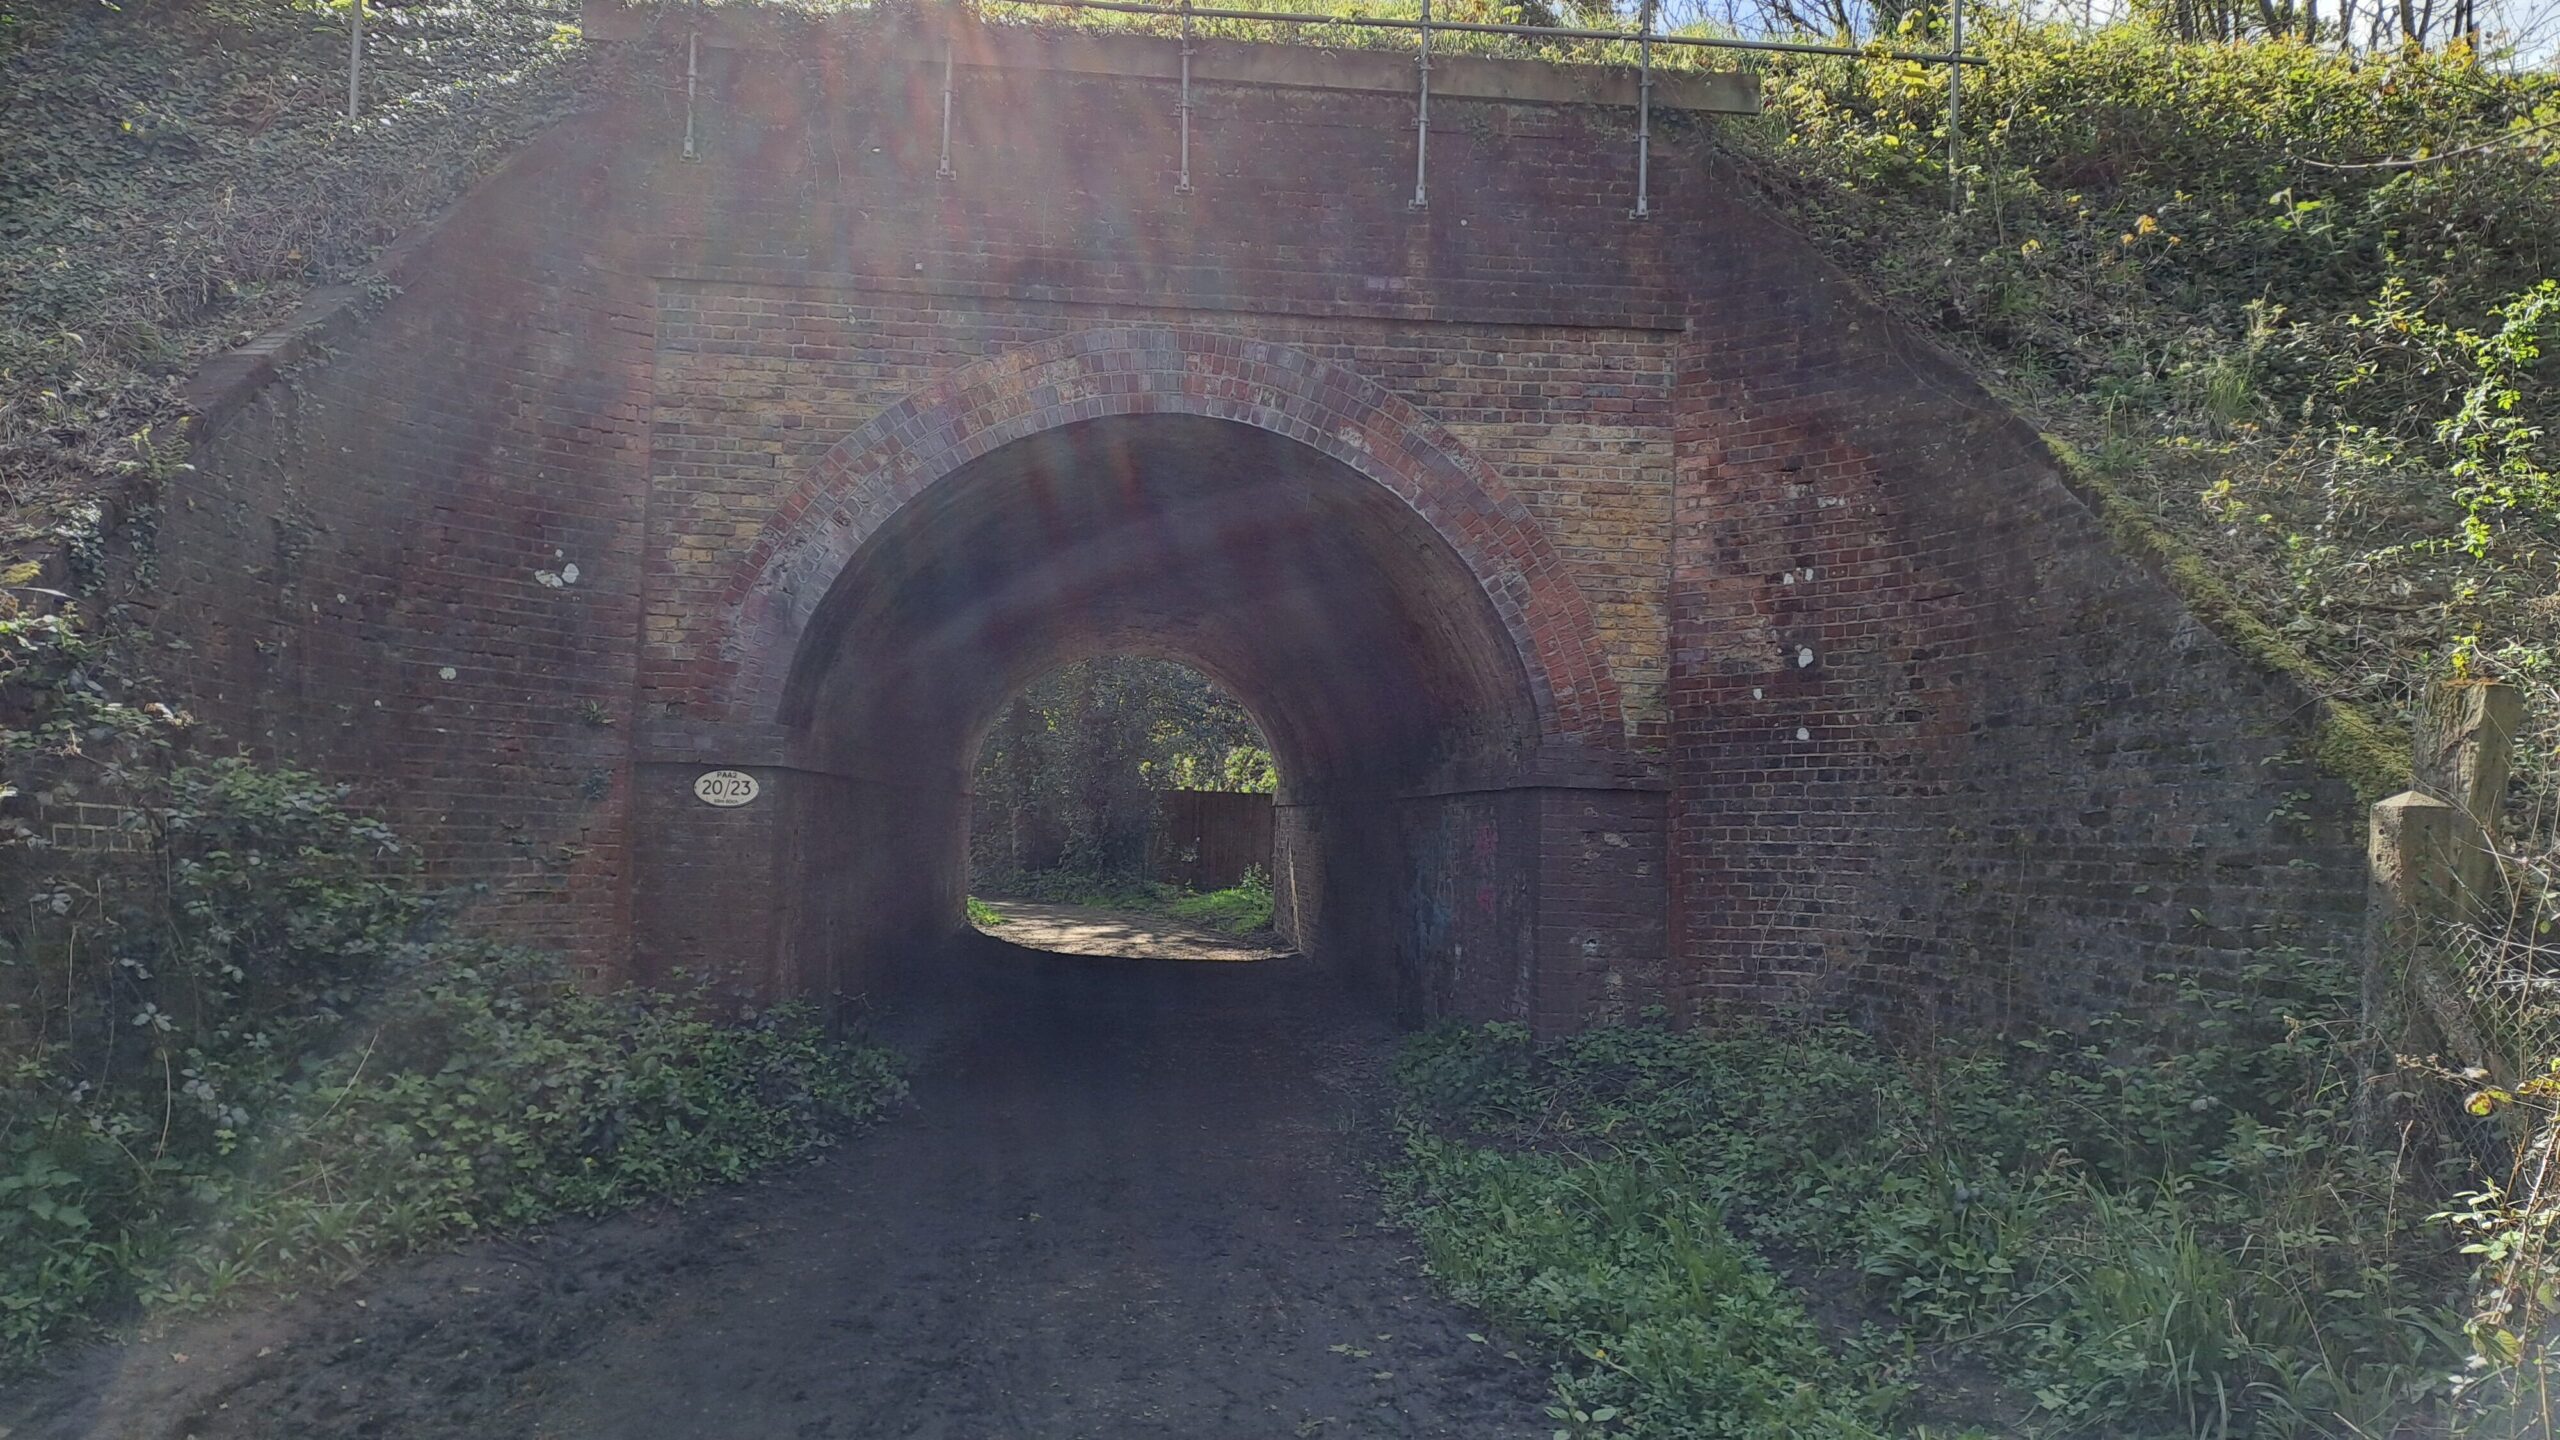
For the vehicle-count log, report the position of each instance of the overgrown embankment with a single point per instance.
(179, 177)
(1792, 1230)
(2285, 311)
(241, 1053)
(2284, 305)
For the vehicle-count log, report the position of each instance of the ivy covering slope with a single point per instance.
(176, 175)
(240, 1051)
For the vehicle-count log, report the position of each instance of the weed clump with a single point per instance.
(1243, 908)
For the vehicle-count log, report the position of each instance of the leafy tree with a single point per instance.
(1067, 778)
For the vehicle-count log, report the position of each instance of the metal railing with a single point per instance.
(1427, 25)
(1645, 38)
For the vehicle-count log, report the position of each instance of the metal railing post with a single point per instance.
(1422, 116)
(1183, 186)
(355, 57)
(692, 84)
(943, 171)
(1644, 111)
(1955, 105)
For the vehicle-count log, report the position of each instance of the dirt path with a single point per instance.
(1082, 930)
(1125, 1204)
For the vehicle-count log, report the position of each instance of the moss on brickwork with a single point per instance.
(2343, 740)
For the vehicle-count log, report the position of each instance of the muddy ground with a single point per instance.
(1129, 1200)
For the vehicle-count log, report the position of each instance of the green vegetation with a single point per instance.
(242, 1055)
(1073, 887)
(238, 1051)
(1067, 786)
(2285, 310)
(1675, 1328)
(1241, 909)
(180, 176)
(983, 915)
(2142, 1231)
(2283, 305)
(260, 1075)
(1067, 780)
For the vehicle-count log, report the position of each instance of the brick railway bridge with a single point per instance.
(1639, 615)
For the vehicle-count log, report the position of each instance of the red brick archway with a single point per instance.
(1454, 748)
(867, 477)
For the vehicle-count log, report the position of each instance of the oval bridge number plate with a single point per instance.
(725, 788)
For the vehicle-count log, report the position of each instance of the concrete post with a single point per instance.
(2410, 848)
(2465, 741)
(2409, 853)
(2419, 847)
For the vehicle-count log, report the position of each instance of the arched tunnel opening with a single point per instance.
(1371, 656)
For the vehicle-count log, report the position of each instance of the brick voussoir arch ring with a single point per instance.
(864, 478)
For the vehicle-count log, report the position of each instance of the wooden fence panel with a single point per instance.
(1207, 839)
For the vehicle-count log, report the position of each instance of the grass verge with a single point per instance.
(2137, 1231)
(1241, 909)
